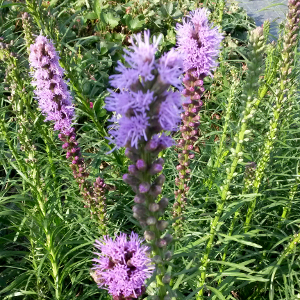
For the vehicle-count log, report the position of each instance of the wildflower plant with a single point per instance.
(145, 107)
(284, 82)
(54, 98)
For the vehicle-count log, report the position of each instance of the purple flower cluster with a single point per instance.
(199, 42)
(142, 103)
(122, 266)
(51, 90)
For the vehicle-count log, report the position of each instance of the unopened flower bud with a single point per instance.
(139, 199)
(132, 156)
(168, 255)
(160, 161)
(160, 179)
(155, 190)
(141, 165)
(144, 187)
(163, 203)
(149, 235)
(162, 225)
(132, 169)
(129, 179)
(167, 278)
(162, 243)
(151, 221)
(155, 168)
(151, 145)
(139, 211)
(168, 238)
(153, 207)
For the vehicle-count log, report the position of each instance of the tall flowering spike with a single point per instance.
(55, 102)
(145, 106)
(199, 44)
(282, 97)
(122, 266)
(51, 90)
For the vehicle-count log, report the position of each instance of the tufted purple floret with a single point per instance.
(122, 266)
(199, 42)
(142, 104)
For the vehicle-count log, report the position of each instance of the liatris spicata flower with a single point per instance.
(55, 102)
(122, 266)
(51, 90)
(145, 107)
(199, 44)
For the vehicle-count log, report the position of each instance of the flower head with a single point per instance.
(51, 90)
(142, 104)
(122, 266)
(198, 42)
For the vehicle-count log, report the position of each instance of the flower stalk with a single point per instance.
(146, 108)
(30, 165)
(27, 27)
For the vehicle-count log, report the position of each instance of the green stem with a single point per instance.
(161, 287)
(221, 6)
(221, 152)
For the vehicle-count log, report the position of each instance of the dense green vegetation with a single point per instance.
(237, 244)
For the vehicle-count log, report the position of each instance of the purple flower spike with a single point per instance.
(145, 106)
(199, 43)
(170, 69)
(51, 90)
(122, 266)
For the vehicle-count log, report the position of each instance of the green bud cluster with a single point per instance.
(27, 27)
(282, 86)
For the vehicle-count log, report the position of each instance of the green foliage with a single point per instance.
(238, 244)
